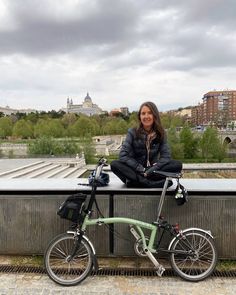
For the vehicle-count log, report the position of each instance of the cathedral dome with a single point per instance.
(87, 98)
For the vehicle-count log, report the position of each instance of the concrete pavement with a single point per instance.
(35, 284)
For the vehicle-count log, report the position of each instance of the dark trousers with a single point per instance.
(133, 179)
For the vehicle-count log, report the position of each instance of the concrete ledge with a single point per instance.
(116, 186)
(28, 219)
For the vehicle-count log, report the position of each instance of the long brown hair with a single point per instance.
(157, 126)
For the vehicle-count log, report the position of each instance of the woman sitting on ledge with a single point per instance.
(144, 151)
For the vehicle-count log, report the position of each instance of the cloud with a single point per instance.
(43, 29)
(121, 51)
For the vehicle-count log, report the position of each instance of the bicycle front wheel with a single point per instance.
(195, 255)
(59, 265)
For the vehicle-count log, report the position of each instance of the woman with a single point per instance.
(144, 151)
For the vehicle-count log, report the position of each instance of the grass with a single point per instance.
(226, 265)
(34, 260)
(114, 262)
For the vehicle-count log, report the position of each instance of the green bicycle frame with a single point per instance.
(137, 223)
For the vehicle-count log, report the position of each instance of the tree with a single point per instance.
(50, 146)
(68, 119)
(170, 119)
(42, 146)
(55, 115)
(100, 121)
(49, 128)
(32, 117)
(56, 128)
(83, 127)
(220, 152)
(211, 145)
(109, 127)
(121, 127)
(133, 120)
(88, 149)
(175, 146)
(23, 129)
(190, 144)
(6, 126)
(70, 147)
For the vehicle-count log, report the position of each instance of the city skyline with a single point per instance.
(123, 54)
(114, 107)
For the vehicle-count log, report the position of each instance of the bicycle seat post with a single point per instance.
(163, 193)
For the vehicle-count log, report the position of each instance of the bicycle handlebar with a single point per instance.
(101, 163)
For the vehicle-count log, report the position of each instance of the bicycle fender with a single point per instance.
(207, 232)
(95, 261)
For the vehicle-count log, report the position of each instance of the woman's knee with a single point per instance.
(114, 165)
(177, 164)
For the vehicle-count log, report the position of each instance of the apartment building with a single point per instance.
(217, 107)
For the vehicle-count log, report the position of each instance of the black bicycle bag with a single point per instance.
(73, 207)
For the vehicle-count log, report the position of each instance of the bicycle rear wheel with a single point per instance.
(200, 258)
(57, 261)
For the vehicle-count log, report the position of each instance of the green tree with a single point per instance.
(220, 152)
(121, 126)
(50, 146)
(55, 115)
(68, 119)
(32, 117)
(70, 147)
(189, 142)
(133, 120)
(83, 127)
(115, 126)
(41, 129)
(6, 126)
(23, 129)
(49, 128)
(109, 127)
(176, 147)
(88, 149)
(57, 130)
(100, 121)
(43, 146)
(169, 119)
(211, 146)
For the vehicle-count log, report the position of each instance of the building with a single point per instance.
(196, 115)
(7, 111)
(218, 108)
(87, 107)
(122, 110)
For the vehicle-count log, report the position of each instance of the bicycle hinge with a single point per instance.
(159, 268)
(134, 232)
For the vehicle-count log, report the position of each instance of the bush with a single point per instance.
(49, 146)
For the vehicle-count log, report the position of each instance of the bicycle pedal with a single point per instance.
(160, 270)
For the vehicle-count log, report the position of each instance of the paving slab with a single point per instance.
(33, 284)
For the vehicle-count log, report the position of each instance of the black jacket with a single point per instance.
(134, 152)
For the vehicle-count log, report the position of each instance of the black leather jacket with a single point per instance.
(134, 152)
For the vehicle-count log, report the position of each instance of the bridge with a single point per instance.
(227, 136)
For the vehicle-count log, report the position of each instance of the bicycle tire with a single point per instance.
(59, 269)
(202, 263)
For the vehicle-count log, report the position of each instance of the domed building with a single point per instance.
(87, 107)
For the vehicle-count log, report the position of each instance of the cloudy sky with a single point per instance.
(122, 52)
